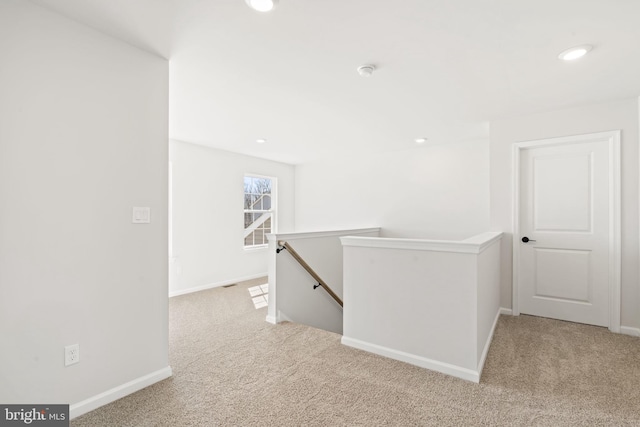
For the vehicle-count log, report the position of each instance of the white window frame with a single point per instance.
(272, 211)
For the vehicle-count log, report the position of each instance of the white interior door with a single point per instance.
(566, 228)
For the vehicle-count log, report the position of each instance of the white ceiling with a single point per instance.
(445, 68)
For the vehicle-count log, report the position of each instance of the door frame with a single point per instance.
(613, 138)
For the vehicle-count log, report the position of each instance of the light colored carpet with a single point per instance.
(231, 368)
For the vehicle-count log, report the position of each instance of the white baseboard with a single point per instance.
(272, 320)
(487, 344)
(214, 285)
(423, 362)
(118, 392)
(627, 330)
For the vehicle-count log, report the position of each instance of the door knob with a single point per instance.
(525, 239)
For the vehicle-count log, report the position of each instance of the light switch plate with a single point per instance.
(141, 215)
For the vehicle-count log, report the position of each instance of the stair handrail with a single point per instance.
(282, 245)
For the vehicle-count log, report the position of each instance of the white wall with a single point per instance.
(620, 114)
(487, 298)
(83, 139)
(436, 192)
(430, 303)
(207, 212)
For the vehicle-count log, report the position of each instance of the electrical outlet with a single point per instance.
(71, 354)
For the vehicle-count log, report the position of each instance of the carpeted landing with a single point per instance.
(231, 368)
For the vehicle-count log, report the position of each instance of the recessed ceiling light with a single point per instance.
(261, 140)
(420, 140)
(575, 52)
(262, 5)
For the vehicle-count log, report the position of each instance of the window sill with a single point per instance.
(255, 248)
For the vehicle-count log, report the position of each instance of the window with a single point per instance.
(259, 193)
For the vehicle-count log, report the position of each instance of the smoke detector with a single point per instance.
(366, 70)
